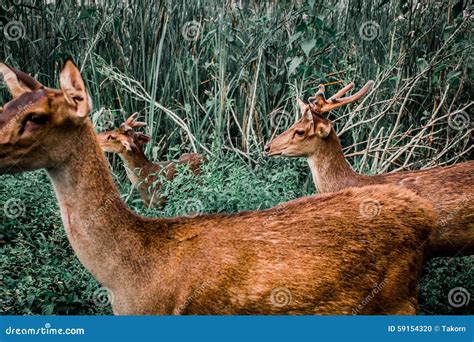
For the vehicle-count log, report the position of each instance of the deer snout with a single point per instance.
(267, 148)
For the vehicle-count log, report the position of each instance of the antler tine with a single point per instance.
(346, 100)
(317, 101)
(132, 123)
(138, 124)
(341, 92)
(319, 95)
(320, 105)
(131, 119)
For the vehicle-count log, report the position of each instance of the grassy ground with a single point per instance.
(40, 274)
(222, 77)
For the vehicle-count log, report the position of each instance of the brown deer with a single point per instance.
(331, 254)
(449, 188)
(143, 173)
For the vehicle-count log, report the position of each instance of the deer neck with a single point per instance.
(329, 168)
(136, 164)
(97, 222)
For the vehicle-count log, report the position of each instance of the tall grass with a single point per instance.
(221, 78)
(208, 73)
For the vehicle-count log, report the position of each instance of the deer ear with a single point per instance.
(17, 81)
(143, 138)
(127, 145)
(323, 128)
(308, 115)
(304, 108)
(302, 105)
(74, 89)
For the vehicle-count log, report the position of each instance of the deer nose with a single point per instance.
(267, 148)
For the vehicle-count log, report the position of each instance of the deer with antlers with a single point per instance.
(324, 252)
(142, 173)
(450, 188)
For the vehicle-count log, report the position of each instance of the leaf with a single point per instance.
(295, 62)
(307, 46)
(276, 87)
(311, 3)
(457, 9)
(295, 37)
(86, 14)
(453, 74)
(422, 64)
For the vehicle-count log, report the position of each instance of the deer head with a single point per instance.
(35, 124)
(124, 138)
(313, 129)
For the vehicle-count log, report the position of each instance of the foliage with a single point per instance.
(40, 274)
(219, 92)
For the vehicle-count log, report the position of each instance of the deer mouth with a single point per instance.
(273, 153)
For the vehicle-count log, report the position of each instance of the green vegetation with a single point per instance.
(221, 79)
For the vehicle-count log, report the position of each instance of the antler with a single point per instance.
(132, 123)
(319, 104)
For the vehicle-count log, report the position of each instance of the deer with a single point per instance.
(329, 254)
(450, 189)
(142, 173)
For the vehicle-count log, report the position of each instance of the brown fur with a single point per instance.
(314, 255)
(450, 189)
(143, 173)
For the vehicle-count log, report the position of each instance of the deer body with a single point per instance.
(230, 264)
(450, 189)
(321, 253)
(142, 173)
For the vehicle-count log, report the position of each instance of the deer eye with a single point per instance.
(33, 122)
(110, 138)
(38, 119)
(299, 133)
